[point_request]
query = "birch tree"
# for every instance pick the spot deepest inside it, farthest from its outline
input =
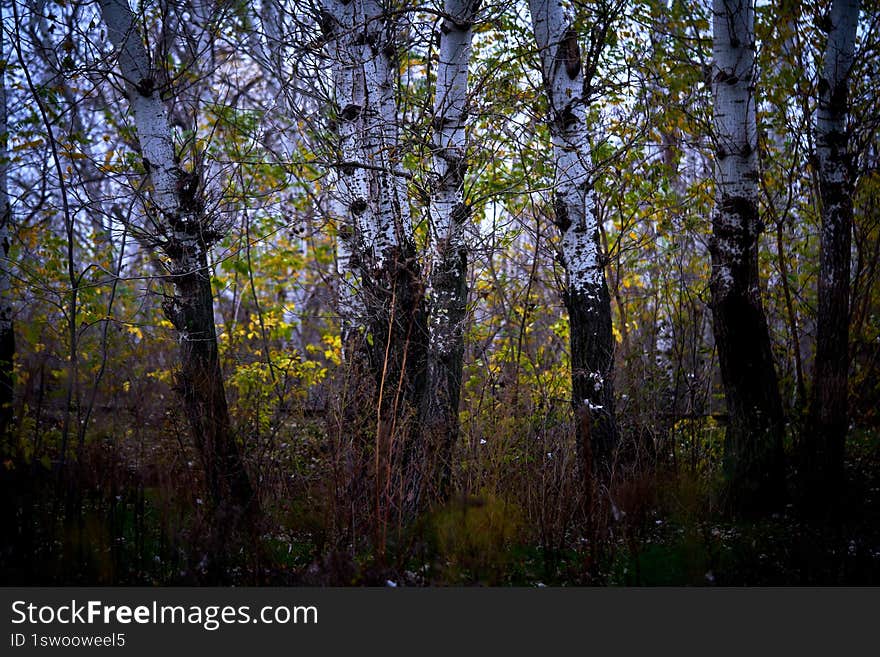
(586, 295)
(349, 200)
(825, 438)
(449, 215)
(181, 229)
(753, 450)
(393, 288)
(7, 333)
(376, 246)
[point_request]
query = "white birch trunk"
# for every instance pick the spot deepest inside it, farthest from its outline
(586, 293)
(561, 67)
(349, 204)
(736, 134)
(448, 211)
(449, 215)
(184, 233)
(392, 227)
(831, 116)
(151, 119)
(754, 434)
(177, 228)
(383, 252)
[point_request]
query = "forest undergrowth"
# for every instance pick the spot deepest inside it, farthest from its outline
(664, 523)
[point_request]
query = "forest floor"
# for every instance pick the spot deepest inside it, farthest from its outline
(684, 547)
(121, 537)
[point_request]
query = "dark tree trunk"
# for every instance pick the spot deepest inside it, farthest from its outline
(592, 362)
(824, 441)
(7, 336)
(445, 365)
(200, 384)
(753, 446)
(7, 332)
(397, 344)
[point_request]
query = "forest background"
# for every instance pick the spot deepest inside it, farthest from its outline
(357, 291)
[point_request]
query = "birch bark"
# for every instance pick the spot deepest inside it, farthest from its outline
(753, 451)
(381, 287)
(183, 232)
(449, 250)
(586, 295)
(393, 287)
(349, 204)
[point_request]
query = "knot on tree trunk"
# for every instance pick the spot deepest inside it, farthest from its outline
(146, 86)
(569, 54)
(173, 310)
(561, 218)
